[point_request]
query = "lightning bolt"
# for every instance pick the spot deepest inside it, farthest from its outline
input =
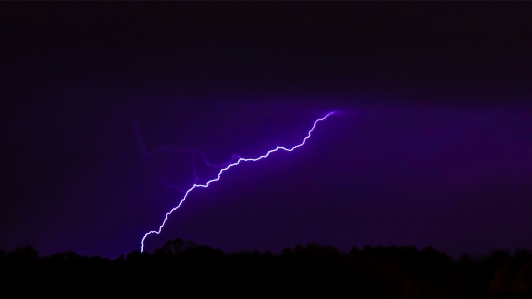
(226, 167)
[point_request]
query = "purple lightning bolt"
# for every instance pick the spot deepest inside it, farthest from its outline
(195, 185)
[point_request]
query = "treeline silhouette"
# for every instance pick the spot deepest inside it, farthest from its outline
(184, 269)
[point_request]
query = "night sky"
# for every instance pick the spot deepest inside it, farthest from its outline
(431, 144)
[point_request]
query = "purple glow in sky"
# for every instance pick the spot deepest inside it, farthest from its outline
(433, 147)
(195, 185)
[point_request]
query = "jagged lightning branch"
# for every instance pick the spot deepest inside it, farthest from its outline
(240, 159)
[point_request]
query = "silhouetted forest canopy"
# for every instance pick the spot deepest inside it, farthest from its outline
(184, 269)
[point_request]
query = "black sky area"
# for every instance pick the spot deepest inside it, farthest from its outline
(431, 145)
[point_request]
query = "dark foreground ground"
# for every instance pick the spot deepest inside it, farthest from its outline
(184, 269)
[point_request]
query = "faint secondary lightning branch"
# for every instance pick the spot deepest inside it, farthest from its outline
(227, 167)
(193, 151)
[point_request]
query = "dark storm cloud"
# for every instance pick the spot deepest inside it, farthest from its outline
(432, 145)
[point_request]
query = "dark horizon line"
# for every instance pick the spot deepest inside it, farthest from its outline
(189, 245)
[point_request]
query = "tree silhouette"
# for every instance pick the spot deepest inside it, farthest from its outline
(302, 271)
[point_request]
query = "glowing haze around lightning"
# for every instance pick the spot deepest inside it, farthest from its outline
(240, 159)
